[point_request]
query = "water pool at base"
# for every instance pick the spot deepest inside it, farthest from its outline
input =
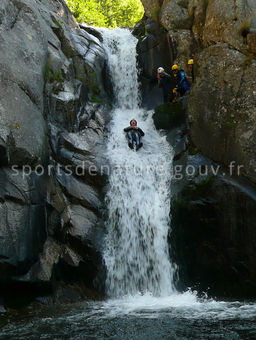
(180, 316)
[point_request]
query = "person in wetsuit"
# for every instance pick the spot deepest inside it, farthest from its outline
(134, 134)
(182, 84)
(164, 82)
(191, 68)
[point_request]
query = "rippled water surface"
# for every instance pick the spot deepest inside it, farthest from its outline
(181, 316)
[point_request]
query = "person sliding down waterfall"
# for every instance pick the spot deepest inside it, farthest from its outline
(134, 134)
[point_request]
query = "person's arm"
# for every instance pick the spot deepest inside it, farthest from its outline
(141, 132)
(182, 78)
(128, 128)
(159, 81)
(167, 75)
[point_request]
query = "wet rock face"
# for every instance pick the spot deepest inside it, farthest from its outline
(229, 22)
(151, 6)
(53, 112)
(214, 237)
(197, 10)
(222, 106)
(22, 83)
(23, 225)
(225, 83)
(154, 50)
(175, 15)
(182, 42)
(251, 40)
(221, 39)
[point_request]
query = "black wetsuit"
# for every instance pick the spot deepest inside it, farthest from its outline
(134, 137)
(166, 83)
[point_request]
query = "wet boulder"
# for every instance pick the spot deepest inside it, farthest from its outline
(169, 116)
(175, 15)
(54, 109)
(182, 42)
(214, 237)
(222, 106)
(152, 7)
(229, 22)
(23, 221)
(197, 10)
(251, 41)
(154, 50)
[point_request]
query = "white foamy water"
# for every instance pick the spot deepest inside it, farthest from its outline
(140, 273)
(138, 199)
(177, 305)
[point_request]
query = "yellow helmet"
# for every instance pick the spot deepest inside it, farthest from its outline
(191, 62)
(175, 67)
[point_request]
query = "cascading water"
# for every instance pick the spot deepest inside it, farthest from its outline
(136, 252)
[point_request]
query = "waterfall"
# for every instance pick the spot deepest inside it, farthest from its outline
(138, 199)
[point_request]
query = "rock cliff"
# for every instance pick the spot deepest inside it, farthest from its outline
(220, 36)
(213, 237)
(53, 110)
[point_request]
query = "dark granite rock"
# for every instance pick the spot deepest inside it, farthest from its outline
(54, 81)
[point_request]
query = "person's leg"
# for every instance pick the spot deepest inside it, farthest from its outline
(181, 91)
(139, 146)
(171, 96)
(166, 97)
(138, 141)
(130, 138)
(137, 138)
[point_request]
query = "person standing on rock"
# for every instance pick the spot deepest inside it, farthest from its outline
(191, 68)
(164, 82)
(182, 84)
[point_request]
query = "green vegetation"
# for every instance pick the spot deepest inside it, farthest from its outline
(107, 13)
(95, 100)
(244, 28)
(230, 122)
(155, 12)
(235, 17)
(183, 3)
(192, 150)
(50, 75)
(168, 116)
(248, 59)
(230, 125)
(206, 3)
(95, 90)
(57, 23)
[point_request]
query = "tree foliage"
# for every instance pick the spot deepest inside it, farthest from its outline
(107, 13)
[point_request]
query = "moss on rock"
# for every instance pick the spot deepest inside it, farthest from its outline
(168, 116)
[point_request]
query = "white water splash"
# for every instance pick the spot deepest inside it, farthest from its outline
(136, 252)
(140, 278)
